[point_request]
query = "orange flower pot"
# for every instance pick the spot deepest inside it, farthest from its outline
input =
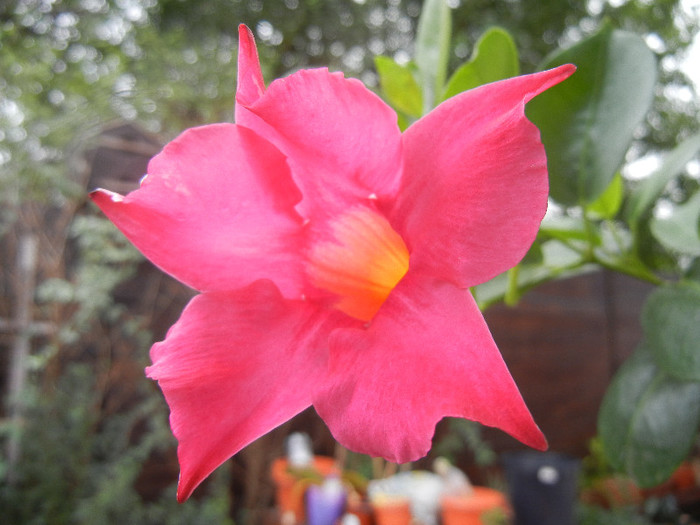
(469, 509)
(391, 510)
(289, 495)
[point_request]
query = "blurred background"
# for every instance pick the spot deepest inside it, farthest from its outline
(91, 89)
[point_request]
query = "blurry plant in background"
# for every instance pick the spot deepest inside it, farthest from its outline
(72, 66)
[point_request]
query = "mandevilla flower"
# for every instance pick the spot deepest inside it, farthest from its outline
(334, 255)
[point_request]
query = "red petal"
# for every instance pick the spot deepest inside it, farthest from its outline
(250, 80)
(475, 185)
(427, 354)
(235, 366)
(342, 141)
(216, 211)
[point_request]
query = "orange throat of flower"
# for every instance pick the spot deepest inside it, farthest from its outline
(360, 263)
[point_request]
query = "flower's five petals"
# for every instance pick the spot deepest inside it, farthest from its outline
(333, 253)
(250, 80)
(342, 140)
(233, 367)
(475, 185)
(427, 354)
(216, 211)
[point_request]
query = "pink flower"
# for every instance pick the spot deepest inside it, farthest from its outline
(334, 255)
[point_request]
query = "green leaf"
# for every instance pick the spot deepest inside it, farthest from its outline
(495, 57)
(648, 421)
(399, 86)
(588, 121)
(433, 49)
(621, 399)
(678, 231)
(645, 196)
(608, 204)
(671, 324)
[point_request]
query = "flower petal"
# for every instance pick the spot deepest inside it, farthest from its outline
(342, 140)
(475, 185)
(427, 354)
(235, 366)
(250, 80)
(216, 211)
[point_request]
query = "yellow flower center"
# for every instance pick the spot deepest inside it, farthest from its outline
(361, 262)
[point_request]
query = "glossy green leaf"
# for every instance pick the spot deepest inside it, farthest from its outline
(671, 324)
(646, 194)
(588, 121)
(648, 421)
(617, 411)
(678, 231)
(608, 204)
(433, 49)
(495, 57)
(399, 86)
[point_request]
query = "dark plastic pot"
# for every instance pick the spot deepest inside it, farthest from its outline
(543, 487)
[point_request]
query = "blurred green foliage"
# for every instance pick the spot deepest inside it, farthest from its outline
(79, 468)
(594, 515)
